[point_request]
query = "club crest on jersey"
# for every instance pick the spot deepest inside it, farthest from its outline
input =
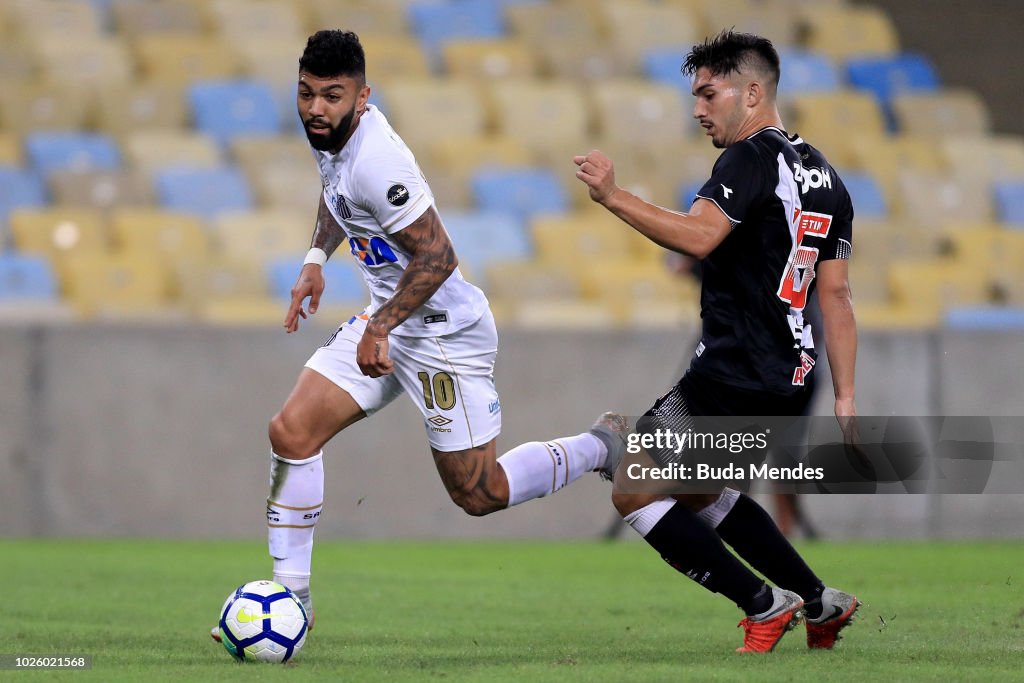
(342, 208)
(398, 195)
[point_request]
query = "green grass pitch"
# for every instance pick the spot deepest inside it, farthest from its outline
(487, 611)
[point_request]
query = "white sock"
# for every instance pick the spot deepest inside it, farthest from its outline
(296, 499)
(537, 469)
(644, 519)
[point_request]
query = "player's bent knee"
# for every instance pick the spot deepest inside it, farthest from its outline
(288, 442)
(476, 501)
(626, 503)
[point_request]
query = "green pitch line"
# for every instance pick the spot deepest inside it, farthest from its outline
(401, 611)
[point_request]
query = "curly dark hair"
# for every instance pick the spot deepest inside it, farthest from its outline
(334, 53)
(731, 52)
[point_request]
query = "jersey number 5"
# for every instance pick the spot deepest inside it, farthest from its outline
(796, 280)
(439, 390)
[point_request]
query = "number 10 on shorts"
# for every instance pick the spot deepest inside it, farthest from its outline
(440, 390)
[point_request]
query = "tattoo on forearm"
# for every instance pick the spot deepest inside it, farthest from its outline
(328, 234)
(432, 260)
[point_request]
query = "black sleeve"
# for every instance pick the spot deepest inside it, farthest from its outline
(737, 182)
(839, 243)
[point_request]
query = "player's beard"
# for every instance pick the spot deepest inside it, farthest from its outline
(336, 134)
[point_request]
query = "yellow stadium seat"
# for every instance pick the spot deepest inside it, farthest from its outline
(880, 242)
(489, 59)
(250, 311)
(449, 164)
(107, 285)
(239, 21)
(262, 235)
(100, 189)
(380, 17)
(994, 158)
(391, 56)
(621, 283)
(61, 18)
(587, 62)
(149, 151)
(585, 235)
(124, 108)
(154, 231)
(542, 115)
(271, 58)
(89, 63)
(885, 158)
(544, 23)
(564, 314)
(936, 285)
(656, 116)
(515, 281)
(938, 199)
(846, 31)
(58, 232)
(180, 59)
(868, 283)
(425, 110)
(826, 120)
(990, 250)
(224, 278)
(133, 18)
(254, 153)
(636, 27)
(772, 20)
(10, 149)
(44, 106)
(945, 112)
(287, 187)
(18, 63)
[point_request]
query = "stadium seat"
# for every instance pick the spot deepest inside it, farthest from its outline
(528, 282)
(48, 152)
(583, 63)
(58, 232)
(933, 286)
(991, 250)
(550, 118)
(621, 284)
(462, 156)
(423, 111)
(806, 71)
(885, 158)
(845, 31)
(18, 64)
(996, 318)
(489, 59)
(149, 151)
(126, 108)
(152, 231)
(994, 158)
(635, 28)
(485, 237)
(203, 191)
(239, 21)
(25, 278)
(393, 56)
(224, 110)
(344, 283)
(226, 277)
(85, 63)
(664, 66)
(772, 20)
(826, 121)
(34, 106)
(1009, 197)
(256, 153)
(133, 18)
(582, 236)
(56, 18)
(264, 234)
(887, 75)
(19, 188)
(273, 60)
(523, 192)
(113, 285)
(688, 193)
(365, 17)
(434, 23)
(545, 23)
(939, 113)
(867, 196)
(288, 187)
(940, 199)
(657, 114)
(181, 59)
(100, 189)
(10, 149)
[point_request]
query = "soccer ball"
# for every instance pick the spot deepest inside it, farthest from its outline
(263, 620)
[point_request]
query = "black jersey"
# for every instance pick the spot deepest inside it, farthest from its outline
(789, 211)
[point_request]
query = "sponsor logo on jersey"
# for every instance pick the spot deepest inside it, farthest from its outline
(801, 371)
(398, 195)
(494, 406)
(811, 178)
(726, 191)
(373, 252)
(436, 318)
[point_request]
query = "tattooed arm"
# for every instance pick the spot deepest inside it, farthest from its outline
(326, 236)
(431, 260)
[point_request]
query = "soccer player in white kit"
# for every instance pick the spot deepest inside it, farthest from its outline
(427, 332)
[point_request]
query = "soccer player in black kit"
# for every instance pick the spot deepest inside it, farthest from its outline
(772, 222)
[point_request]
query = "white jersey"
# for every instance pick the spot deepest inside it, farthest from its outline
(374, 188)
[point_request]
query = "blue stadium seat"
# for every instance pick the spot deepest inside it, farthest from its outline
(663, 65)
(25, 277)
(50, 151)
(522, 192)
(434, 22)
(806, 71)
(203, 191)
(482, 237)
(344, 282)
(19, 188)
(229, 108)
(687, 193)
(985, 318)
(868, 198)
(887, 76)
(1009, 197)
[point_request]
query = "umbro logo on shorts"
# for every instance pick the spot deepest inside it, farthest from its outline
(438, 420)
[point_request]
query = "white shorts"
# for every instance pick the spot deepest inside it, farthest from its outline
(450, 379)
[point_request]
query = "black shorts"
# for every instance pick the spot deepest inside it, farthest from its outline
(698, 404)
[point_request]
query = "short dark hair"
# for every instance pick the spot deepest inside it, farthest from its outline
(334, 53)
(729, 52)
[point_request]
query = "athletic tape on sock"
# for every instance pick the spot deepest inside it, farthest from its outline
(644, 519)
(714, 514)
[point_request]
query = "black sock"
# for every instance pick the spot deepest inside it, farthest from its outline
(692, 548)
(752, 533)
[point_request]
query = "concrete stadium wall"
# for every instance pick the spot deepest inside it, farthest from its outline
(145, 430)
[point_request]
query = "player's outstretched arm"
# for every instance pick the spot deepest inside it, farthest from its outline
(695, 234)
(326, 237)
(840, 334)
(431, 260)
